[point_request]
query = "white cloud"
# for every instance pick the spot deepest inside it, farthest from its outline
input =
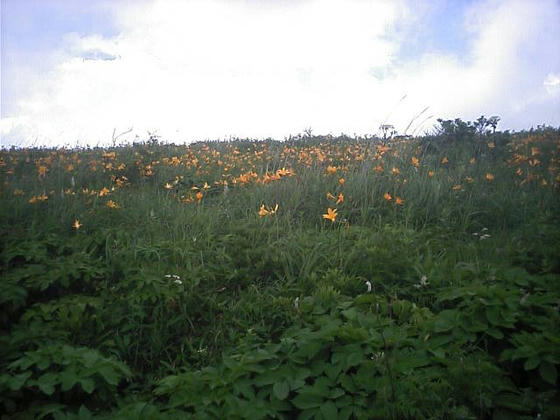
(210, 69)
(552, 83)
(511, 52)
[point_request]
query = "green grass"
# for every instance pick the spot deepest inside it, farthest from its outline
(173, 306)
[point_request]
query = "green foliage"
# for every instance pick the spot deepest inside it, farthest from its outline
(61, 373)
(165, 304)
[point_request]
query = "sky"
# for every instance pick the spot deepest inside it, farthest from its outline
(98, 72)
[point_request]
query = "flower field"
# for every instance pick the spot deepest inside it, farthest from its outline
(317, 277)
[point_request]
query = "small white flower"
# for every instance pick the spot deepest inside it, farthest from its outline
(422, 283)
(175, 277)
(368, 285)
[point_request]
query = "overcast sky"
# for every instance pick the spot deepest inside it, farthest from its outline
(72, 72)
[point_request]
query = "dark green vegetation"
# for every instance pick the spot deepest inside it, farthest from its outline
(142, 282)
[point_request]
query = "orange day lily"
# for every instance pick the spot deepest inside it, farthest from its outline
(112, 205)
(340, 198)
(387, 196)
(77, 225)
(264, 211)
(42, 171)
(330, 215)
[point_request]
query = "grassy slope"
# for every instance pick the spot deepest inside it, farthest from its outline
(462, 320)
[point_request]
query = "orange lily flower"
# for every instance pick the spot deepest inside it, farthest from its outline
(330, 215)
(112, 205)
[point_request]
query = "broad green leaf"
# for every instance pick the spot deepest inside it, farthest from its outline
(350, 314)
(548, 372)
(493, 314)
(84, 413)
(496, 333)
(109, 374)
(309, 349)
(345, 413)
(329, 411)
(335, 393)
(305, 400)
(308, 414)
(332, 371)
(531, 363)
(446, 320)
(243, 387)
(354, 359)
(347, 383)
(281, 390)
(68, 379)
(16, 382)
(409, 361)
(47, 382)
(88, 385)
(438, 352)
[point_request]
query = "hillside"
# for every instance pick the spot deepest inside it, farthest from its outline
(317, 277)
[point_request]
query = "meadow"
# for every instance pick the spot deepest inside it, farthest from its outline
(317, 277)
